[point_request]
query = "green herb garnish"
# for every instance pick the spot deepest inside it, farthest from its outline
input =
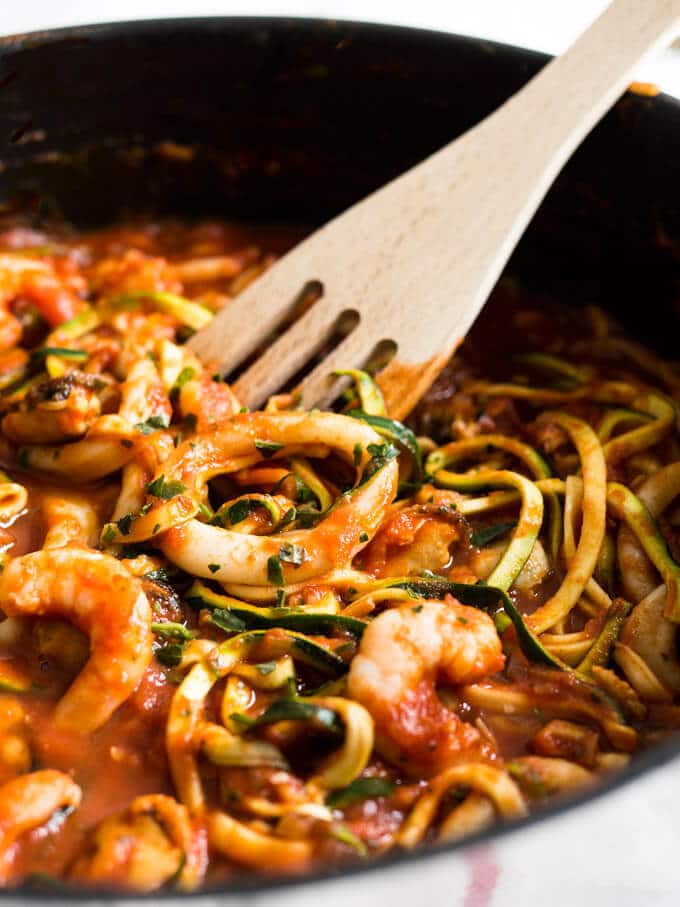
(171, 654)
(481, 537)
(381, 455)
(358, 790)
(227, 621)
(171, 630)
(125, 524)
(164, 488)
(152, 424)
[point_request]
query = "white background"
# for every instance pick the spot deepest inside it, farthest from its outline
(624, 850)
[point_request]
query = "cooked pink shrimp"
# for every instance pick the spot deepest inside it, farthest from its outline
(29, 801)
(100, 597)
(37, 281)
(401, 654)
(152, 842)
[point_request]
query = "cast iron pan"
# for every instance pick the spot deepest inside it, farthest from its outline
(292, 120)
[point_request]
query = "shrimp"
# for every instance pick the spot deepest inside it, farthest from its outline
(28, 802)
(69, 518)
(149, 844)
(35, 280)
(15, 752)
(93, 591)
(394, 674)
(132, 272)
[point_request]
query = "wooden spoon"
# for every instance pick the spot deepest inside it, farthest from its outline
(417, 259)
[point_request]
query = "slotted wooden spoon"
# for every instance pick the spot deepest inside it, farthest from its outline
(417, 259)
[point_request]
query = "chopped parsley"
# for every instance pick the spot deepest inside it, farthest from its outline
(267, 667)
(213, 567)
(125, 524)
(227, 621)
(363, 537)
(381, 455)
(165, 575)
(358, 790)
(171, 654)
(152, 424)
(171, 630)
(481, 537)
(165, 488)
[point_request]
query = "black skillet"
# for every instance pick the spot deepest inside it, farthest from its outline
(292, 120)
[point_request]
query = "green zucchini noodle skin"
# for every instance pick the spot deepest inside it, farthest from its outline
(452, 453)
(631, 510)
(654, 496)
(528, 526)
(284, 641)
(664, 414)
(592, 531)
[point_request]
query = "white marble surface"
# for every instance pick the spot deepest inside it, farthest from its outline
(620, 851)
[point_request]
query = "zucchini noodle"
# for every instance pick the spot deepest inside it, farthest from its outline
(530, 519)
(629, 508)
(492, 782)
(664, 416)
(583, 562)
